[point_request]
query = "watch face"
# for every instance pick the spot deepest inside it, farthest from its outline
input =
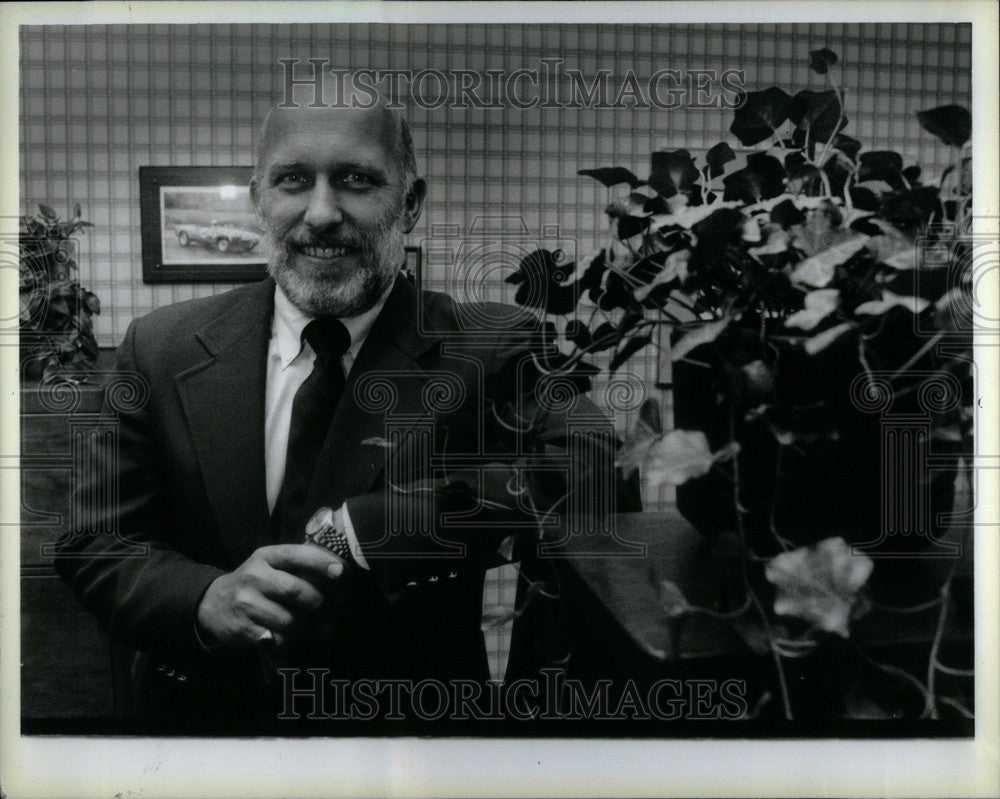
(322, 521)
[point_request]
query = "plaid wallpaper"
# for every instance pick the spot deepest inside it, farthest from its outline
(98, 102)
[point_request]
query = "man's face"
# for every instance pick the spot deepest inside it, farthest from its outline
(331, 195)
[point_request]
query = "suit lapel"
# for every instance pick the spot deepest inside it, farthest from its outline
(223, 399)
(346, 465)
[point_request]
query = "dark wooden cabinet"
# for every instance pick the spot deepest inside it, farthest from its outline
(69, 667)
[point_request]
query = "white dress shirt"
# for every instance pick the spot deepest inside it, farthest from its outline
(289, 363)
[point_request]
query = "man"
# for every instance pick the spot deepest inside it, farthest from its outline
(317, 400)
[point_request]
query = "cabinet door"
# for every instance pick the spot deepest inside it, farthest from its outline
(66, 669)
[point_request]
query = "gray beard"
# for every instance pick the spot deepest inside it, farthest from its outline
(341, 295)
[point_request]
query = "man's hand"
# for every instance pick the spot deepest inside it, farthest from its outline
(274, 590)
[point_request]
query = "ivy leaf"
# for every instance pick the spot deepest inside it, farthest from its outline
(818, 270)
(672, 172)
(816, 113)
(848, 146)
(612, 176)
(47, 211)
(910, 210)
(787, 214)
(819, 583)
(761, 179)
(717, 158)
(703, 334)
(682, 455)
(880, 165)
(820, 342)
(76, 211)
(649, 415)
(864, 199)
(629, 226)
(671, 266)
(805, 179)
(92, 302)
(578, 333)
(912, 174)
(594, 271)
(889, 300)
(820, 61)
(952, 124)
(819, 304)
(540, 278)
(759, 115)
(633, 345)
(672, 599)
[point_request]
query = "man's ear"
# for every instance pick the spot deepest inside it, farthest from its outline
(414, 204)
(255, 194)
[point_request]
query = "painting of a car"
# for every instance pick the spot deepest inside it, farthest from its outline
(217, 236)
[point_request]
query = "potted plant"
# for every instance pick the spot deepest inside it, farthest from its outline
(57, 335)
(815, 296)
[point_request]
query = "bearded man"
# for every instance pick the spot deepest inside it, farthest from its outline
(271, 414)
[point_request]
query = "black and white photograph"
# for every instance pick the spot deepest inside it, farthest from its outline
(559, 403)
(220, 220)
(199, 225)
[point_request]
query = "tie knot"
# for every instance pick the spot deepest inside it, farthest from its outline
(327, 335)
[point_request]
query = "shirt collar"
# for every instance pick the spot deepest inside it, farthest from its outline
(289, 322)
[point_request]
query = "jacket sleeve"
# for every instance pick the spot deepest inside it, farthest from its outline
(547, 478)
(121, 563)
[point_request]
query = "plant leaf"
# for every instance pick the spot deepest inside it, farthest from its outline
(952, 124)
(889, 300)
(816, 113)
(703, 334)
(821, 60)
(818, 270)
(819, 304)
(649, 415)
(677, 457)
(880, 165)
(761, 179)
(672, 599)
(819, 583)
(672, 172)
(717, 158)
(612, 176)
(823, 340)
(759, 115)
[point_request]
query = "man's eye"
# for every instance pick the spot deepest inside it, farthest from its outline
(291, 180)
(358, 180)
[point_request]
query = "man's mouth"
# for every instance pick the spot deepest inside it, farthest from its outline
(323, 253)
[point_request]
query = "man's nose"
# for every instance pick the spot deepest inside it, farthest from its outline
(324, 206)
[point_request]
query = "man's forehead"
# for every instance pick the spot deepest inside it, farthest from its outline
(373, 125)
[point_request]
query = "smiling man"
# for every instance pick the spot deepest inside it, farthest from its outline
(292, 543)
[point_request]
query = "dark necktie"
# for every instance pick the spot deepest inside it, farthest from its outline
(312, 412)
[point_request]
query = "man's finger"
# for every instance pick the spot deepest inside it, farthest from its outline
(303, 559)
(259, 636)
(286, 588)
(270, 614)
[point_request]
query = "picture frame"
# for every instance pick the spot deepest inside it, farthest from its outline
(198, 226)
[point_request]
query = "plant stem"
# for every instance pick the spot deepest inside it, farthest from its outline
(741, 532)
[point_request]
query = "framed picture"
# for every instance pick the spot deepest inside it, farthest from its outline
(198, 225)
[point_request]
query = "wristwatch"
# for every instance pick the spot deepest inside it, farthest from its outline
(323, 529)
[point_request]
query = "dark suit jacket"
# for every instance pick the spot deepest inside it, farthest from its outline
(415, 447)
